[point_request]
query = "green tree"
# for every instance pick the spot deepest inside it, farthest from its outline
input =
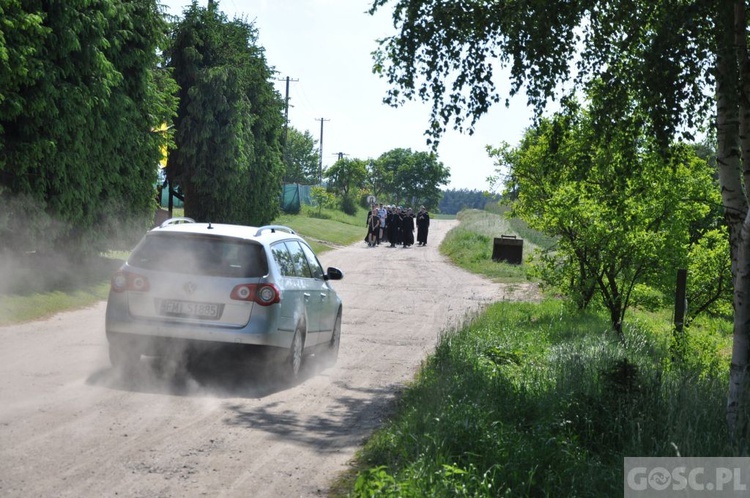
(420, 178)
(661, 55)
(382, 174)
(454, 200)
(80, 95)
(346, 175)
(620, 215)
(322, 198)
(302, 158)
(709, 276)
(408, 177)
(228, 156)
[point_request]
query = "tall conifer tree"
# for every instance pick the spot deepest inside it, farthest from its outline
(228, 156)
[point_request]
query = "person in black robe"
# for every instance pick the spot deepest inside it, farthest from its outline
(373, 228)
(423, 226)
(407, 228)
(391, 224)
(400, 215)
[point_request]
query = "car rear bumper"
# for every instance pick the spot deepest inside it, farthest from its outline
(150, 332)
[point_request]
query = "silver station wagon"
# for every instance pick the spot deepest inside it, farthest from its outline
(190, 286)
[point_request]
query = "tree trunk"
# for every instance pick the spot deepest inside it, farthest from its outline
(731, 173)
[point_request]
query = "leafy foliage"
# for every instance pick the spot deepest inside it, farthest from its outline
(709, 276)
(81, 95)
(668, 61)
(449, 54)
(322, 198)
(620, 214)
(346, 176)
(301, 157)
(402, 176)
(228, 159)
(454, 200)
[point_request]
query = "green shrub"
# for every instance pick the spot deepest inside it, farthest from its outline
(348, 205)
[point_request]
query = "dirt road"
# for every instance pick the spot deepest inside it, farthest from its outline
(71, 426)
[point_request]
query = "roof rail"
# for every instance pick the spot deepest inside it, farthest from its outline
(176, 221)
(273, 228)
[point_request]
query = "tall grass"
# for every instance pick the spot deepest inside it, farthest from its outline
(520, 227)
(470, 245)
(530, 401)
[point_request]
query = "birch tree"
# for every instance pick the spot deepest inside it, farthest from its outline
(673, 59)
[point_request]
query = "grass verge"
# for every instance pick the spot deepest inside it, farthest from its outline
(38, 286)
(326, 229)
(18, 309)
(531, 401)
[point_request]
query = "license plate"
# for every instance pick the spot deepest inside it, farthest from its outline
(189, 309)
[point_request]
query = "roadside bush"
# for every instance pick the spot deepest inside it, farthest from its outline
(648, 298)
(25, 226)
(348, 205)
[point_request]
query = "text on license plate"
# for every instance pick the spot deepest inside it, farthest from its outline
(189, 309)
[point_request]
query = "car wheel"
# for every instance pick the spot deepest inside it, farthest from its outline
(124, 356)
(293, 362)
(331, 355)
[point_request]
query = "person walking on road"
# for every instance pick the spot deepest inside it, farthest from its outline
(382, 213)
(394, 226)
(407, 228)
(423, 226)
(373, 228)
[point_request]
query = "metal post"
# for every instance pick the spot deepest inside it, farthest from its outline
(320, 167)
(680, 301)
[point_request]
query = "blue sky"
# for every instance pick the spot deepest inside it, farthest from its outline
(325, 47)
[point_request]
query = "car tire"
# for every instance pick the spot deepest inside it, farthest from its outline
(331, 354)
(292, 364)
(123, 356)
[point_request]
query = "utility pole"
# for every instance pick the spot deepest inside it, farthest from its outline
(286, 120)
(320, 169)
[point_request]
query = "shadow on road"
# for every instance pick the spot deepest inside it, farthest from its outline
(344, 421)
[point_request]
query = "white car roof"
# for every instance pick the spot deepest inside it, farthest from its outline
(268, 233)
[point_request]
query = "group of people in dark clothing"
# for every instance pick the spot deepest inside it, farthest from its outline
(395, 225)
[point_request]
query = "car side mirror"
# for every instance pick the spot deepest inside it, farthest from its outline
(333, 274)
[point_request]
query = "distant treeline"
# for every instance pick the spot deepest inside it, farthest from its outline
(454, 201)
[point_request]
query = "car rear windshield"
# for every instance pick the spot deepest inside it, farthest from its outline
(200, 255)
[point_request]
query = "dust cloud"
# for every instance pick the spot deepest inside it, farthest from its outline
(31, 261)
(211, 372)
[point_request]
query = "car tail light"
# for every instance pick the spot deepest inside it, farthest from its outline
(263, 294)
(126, 281)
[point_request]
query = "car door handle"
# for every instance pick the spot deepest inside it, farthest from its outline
(307, 295)
(323, 296)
